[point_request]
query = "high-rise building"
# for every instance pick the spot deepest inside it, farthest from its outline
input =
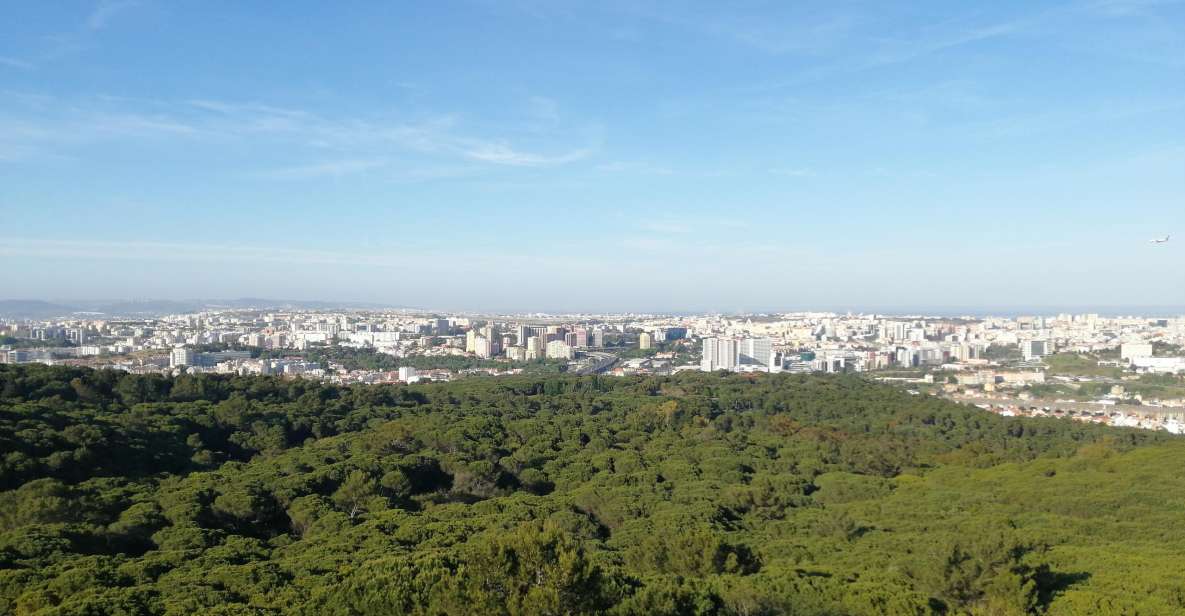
(182, 356)
(598, 338)
(726, 353)
(558, 349)
(534, 347)
(77, 335)
(645, 341)
(722, 354)
(523, 332)
(483, 347)
(708, 360)
(893, 331)
(755, 351)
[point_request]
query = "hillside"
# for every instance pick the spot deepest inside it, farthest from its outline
(694, 494)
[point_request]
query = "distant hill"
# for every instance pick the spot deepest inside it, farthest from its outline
(146, 307)
(32, 309)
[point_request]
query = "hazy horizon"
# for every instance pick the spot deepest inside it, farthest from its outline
(610, 156)
(1152, 311)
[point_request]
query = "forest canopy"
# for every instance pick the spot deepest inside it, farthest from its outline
(690, 494)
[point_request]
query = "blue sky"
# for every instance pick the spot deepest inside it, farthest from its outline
(600, 156)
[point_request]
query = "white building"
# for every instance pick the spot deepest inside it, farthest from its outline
(483, 347)
(1129, 351)
(893, 331)
(558, 349)
(726, 353)
(181, 356)
(1167, 365)
(534, 347)
(755, 351)
(708, 360)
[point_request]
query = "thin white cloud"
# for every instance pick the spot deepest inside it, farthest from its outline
(129, 124)
(234, 108)
(910, 47)
(905, 51)
(56, 124)
(435, 135)
(502, 154)
(106, 10)
(15, 63)
(53, 136)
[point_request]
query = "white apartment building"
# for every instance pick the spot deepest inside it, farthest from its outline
(181, 356)
(558, 349)
(732, 353)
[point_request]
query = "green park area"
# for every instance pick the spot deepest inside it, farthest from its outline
(691, 494)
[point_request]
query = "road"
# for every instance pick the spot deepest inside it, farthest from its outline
(601, 362)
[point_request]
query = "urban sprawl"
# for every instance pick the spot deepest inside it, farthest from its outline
(1126, 371)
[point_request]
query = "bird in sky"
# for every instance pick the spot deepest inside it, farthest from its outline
(1160, 240)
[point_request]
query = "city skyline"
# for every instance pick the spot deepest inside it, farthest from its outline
(619, 157)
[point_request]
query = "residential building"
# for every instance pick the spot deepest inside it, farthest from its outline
(558, 349)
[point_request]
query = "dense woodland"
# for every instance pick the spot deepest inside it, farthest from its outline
(692, 494)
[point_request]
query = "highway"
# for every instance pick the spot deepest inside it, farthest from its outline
(601, 362)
